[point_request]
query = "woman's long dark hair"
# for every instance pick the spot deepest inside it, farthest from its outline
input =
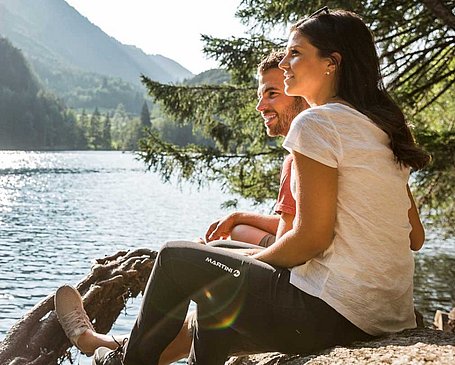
(359, 80)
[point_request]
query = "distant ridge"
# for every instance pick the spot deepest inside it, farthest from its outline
(53, 34)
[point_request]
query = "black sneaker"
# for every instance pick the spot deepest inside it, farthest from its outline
(106, 356)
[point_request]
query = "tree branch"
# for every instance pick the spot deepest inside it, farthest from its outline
(440, 11)
(38, 339)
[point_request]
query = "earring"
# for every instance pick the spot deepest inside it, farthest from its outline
(327, 72)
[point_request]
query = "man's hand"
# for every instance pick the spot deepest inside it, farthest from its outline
(220, 229)
(200, 240)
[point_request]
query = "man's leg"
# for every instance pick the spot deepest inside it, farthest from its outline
(253, 235)
(180, 347)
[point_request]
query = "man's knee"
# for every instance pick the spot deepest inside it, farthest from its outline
(239, 231)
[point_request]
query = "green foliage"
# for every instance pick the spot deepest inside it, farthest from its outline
(145, 116)
(241, 156)
(416, 41)
(435, 184)
(31, 118)
(106, 133)
(251, 175)
(175, 133)
(240, 55)
(125, 129)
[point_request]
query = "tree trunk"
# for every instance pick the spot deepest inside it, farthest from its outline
(38, 339)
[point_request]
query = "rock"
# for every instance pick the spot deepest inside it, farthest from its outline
(410, 347)
(441, 320)
(445, 321)
(451, 321)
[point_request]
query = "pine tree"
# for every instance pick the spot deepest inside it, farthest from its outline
(83, 125)
(95, 130)
(106, 136)
(416, 40)
(145, 116)
(145, 123)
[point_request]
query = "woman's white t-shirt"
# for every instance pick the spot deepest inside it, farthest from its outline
(367, 272)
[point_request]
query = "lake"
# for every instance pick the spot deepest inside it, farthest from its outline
(61, 210)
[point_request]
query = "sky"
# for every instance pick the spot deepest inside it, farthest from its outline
(171, 28)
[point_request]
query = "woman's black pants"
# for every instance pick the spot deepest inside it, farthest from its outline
(239, 299)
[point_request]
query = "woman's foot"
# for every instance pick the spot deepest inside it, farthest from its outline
(73, 318)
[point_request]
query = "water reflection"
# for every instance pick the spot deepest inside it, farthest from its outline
(435, 284)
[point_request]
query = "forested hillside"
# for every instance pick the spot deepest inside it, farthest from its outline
(29, 117)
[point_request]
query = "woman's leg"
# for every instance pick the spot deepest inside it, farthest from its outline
(237, 296)
(274, 315)
(179, 348)
(185, 271)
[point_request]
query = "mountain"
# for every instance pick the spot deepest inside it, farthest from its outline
(214, 76)
(63, 47)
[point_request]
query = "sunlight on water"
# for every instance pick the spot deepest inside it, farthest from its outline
(61, 210)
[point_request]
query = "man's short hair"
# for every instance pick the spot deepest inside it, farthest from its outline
(271, 61)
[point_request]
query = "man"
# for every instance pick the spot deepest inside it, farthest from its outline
(278, 110)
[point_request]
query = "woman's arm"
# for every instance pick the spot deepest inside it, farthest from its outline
(312, 233)
(417, 235)
(285, 224)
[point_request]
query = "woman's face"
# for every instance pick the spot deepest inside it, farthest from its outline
(305, 71)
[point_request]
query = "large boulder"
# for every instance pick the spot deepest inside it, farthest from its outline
(410, 347)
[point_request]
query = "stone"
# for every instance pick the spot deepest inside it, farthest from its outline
(420, 346)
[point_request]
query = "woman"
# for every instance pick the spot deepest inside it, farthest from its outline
(345, 270)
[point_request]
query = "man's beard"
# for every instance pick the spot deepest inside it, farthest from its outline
(281, 127)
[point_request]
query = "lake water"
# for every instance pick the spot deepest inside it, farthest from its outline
(61, 210)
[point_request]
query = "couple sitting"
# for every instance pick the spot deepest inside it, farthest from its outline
(340, 270)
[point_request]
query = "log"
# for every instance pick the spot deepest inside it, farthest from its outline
(38, 339)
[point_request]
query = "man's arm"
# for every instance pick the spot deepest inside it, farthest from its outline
(284, 224)
(222, 228)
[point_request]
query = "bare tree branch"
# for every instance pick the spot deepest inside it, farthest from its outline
(38, 339)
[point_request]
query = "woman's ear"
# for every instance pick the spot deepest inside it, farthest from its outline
(334, 61)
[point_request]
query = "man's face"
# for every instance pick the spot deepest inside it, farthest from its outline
(276, 108)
